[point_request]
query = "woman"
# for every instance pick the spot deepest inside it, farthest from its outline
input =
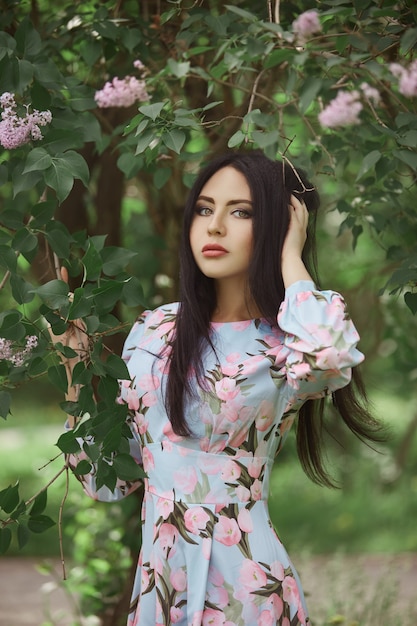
(216, 383)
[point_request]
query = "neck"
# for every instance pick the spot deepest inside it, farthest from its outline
(234, 303)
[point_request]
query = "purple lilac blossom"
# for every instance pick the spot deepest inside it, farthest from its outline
(306, 24)
(15, 130)
(342, 111)
(407, 78)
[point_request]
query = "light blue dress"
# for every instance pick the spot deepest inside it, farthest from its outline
(210, 555)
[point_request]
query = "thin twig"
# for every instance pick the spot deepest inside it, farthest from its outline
(60, 516)
(277, 18)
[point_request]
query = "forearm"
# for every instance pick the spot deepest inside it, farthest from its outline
(293, 269)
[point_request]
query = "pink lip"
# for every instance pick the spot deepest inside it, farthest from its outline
(213, 250)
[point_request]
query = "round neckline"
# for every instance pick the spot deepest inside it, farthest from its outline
(251, 320)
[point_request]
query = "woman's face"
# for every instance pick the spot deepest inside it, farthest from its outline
(221, 234)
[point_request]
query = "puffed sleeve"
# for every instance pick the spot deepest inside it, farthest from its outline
(321, 341)
(123, 487)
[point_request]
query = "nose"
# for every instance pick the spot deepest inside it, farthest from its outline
(216, 225)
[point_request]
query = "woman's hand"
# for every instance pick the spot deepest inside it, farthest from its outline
(297, 229)
(75, 337)
(292, 266)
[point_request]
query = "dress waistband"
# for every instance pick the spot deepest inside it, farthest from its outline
(184, 474)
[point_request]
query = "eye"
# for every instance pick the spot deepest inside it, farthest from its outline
(244, 214)
(203, 210)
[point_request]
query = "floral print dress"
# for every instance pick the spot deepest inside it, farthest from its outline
(210, 555)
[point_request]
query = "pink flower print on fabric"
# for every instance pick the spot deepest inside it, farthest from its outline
(244, 520)
(148, 460)
(185, 479)
(141, 423)
(218, 596)
(297, 371)
(226, 389)
(165, 504)
(266, 619)
(241, 326)
(290, 592)
(227, 531)
(250, 366)
(196, 519)
(232, 366)
(149, 383)
(231, 471)
(252, 576)
(176, 614)
(302, 296)
(276, 606)
(331, 358)
(255, 467)
(265, 416)
(178, 579)
(214, 617)
(168, 536)
(256, 490)
(242, 493)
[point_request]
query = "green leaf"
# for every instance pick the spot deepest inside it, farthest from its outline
(25, 241)
(126, 468)
(80, 306)
(92, 262)
(407, 156)
(368, 163)
(40, 523)
(236, 139)
(5, 402)
(106, 296)
(152, 110)
(90, 51)
(59, 178)
(411, 301)
(132, 294)
(82, 467)
(59, 238)
(145, 140)
(174, 140)
(54, 293)
(5, 539)
(8, 258)
(115, 259)
(310, 89)
(179, 69)
(37, 160)
(408, 40)
(68, 443)
(22, 535)
(77, 165)
(81, 375)
(22, 291)
(28, 40)
(116, 367)
(57, 375)
(161, 176)
(39, 503)
(11, 326)
(9, 498)
(42, 213)
(246, 15)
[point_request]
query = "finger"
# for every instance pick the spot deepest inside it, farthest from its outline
(64, 274)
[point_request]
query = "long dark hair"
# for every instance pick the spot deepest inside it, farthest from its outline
(271, 184)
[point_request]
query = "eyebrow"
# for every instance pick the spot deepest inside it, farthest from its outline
(230, 203)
